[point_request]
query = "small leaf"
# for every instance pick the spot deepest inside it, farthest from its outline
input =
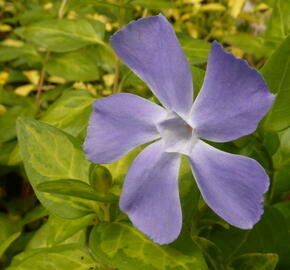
(79, 65)
(75, 188)
(62, 35)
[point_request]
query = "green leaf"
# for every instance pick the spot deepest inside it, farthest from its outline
(256, 261)
(72, 257)
(281, 181)
(154, 4)
(49, 154)
(7, 242)
(124, 247)
(189, 192)
(62, 35)
(105, 57)
(278, 117)
(257, 45)
(271, 141)
(270, 235)
(198, 77)
(119, 168)
(36, 213)
(279, 23)
(70, 112)
(10, 230)
(10, 99)
(5, 151)
(277, 69)
(58, 231)
(281, 156)
(79, 65)
(218, 236)
(34, 15)
(277, 74)
(212, 253)
(75, 188)
(11, 53)
(196, 50)
(8, 120)
(284, 208)
(100, 178)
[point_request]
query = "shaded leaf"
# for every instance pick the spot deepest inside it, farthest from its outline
(212, 253)
(256, 261)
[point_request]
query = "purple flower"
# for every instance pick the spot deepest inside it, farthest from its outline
(233, 99)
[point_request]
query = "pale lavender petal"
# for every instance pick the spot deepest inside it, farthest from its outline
(233, 99)
(150, 48)
(150, 194)
(232, 185)
(118, 124)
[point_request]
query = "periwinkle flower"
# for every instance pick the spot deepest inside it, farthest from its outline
(233, 99)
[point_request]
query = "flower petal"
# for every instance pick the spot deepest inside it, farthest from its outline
(118, 124)
(232, 185)
(150, 194)
(233, 99)
(150, 48)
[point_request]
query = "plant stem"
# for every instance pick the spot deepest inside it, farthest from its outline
(118, 62)
(117, 76)
(46, 57)
(106, 208)
(41, 82)
(61, 9)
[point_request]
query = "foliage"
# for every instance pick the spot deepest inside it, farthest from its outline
(59, 211)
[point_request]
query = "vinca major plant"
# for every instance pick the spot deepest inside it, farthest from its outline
(144, 135)
(233, 99)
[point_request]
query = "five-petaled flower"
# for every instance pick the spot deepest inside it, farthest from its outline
(232, 100)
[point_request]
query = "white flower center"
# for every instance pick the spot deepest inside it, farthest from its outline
(176, 134)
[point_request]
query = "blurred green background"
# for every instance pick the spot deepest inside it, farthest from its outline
(55, 60)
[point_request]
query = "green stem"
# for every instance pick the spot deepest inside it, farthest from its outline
(61, 9)
(116, 88)
(106, 209)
